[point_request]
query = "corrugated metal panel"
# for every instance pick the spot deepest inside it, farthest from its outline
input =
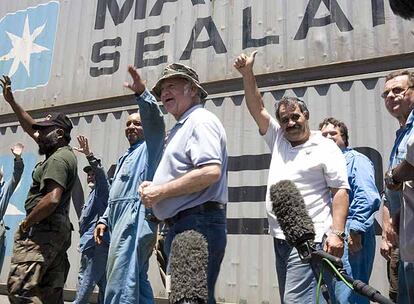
(205, 34)
(248, 273)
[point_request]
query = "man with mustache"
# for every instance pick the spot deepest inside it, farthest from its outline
(318, 169)
(40, 265)
(132, 226)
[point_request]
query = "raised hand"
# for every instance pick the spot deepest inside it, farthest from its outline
(244, 64)
(5, 84)
(83, 145)
(138, 84)
(17, 150)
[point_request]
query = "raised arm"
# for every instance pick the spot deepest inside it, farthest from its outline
(244, 64)
(151, 118)
(26, 121)
(101, 179)
(11, 185)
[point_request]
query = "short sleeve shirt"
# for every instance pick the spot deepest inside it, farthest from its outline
(407, 212)
(60, 167)
(198, 138)
(314, 167)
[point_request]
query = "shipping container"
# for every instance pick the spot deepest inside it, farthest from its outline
(72, 56)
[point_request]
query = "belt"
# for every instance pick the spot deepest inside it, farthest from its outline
(207, 206)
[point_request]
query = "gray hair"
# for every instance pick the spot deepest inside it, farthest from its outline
(289, 101)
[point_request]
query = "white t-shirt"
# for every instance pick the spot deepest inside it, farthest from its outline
(314, 167)
(407, 212)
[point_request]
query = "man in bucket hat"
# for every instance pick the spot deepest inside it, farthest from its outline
(40, 265)
(189, 189)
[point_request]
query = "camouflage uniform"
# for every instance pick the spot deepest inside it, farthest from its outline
(40, 265)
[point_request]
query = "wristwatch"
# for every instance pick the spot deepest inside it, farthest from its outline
(340, 234)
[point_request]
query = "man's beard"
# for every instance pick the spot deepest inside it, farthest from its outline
(48, 144)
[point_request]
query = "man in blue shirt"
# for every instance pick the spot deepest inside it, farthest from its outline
(93, 256)
(133, 231)
(398, 97)
(6, 191)
(189, 190)
(364, 201)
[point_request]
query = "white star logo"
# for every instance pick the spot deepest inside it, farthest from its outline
(23, 48)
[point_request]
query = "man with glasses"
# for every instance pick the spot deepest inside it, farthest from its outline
(399, 101)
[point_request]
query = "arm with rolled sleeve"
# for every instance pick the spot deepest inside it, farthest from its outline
(405, 171)
(366, 200)
(10, 186)
(154, 130)
(101, 181)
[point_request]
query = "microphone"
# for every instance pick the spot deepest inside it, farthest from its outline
(188, 267)
(290, 210)
(403, 8)
(289, 207)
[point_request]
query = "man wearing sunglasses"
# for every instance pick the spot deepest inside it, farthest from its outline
(398, 97)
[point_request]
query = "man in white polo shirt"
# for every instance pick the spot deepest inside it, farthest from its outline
(189, 189)
(318, 169)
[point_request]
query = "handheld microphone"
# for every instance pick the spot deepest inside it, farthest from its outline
(290, 210)
(297, 226)
(403, 8)
(289, 207)
(188, 267)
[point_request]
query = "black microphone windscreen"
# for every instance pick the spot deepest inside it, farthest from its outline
(290, 210)
(188, 267)
(403, 8)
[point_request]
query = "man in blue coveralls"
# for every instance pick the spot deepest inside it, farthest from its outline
(6, 191)
(364, 201)
(93, 256)
(132, 226)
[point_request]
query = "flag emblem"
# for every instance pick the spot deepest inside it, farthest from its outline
(27, 39)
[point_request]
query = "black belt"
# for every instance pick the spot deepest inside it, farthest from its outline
(207, 206)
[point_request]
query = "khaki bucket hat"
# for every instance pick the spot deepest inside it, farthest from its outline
(178, 70)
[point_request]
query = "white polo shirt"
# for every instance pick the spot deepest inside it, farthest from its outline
(407, 212)
(314, 167)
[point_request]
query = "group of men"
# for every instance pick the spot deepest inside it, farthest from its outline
(181, 179)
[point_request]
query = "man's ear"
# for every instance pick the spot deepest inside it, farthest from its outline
(195, 91)
(306, 114)
(60, 133)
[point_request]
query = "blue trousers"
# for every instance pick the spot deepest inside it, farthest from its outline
(92, 273)
(132, 241)
(357, 265)
(211, 224)
(297, 282)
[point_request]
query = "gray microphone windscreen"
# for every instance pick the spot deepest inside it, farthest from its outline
(188, 267)
(290, 210)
